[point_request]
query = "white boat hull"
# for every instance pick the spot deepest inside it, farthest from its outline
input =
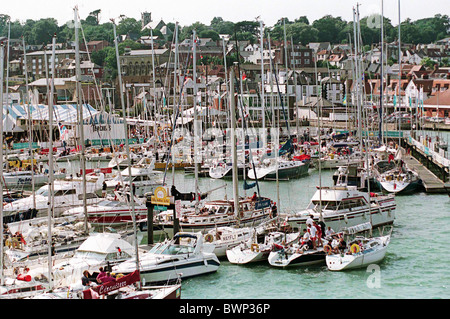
(246, 256)
(340, 262)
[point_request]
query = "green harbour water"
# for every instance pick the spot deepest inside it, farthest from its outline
(415, 266)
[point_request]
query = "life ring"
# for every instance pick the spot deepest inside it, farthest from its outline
(355, 249)
(327, 249)
(254, 247)
(209, 238)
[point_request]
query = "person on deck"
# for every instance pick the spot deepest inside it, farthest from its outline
(101, 275)
(85, 279)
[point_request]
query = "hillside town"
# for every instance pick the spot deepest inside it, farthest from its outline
(419, 80)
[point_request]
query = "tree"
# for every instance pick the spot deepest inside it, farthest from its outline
(95, 14)
(329, 28)
(209, 34)
(186, 32)
(221, 26)
(427, 62)
(43, 31)
(129, 25)
(302, 19)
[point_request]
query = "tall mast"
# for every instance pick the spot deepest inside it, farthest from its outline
(319, 98)
(2, 280)
(399, 69)
(175, 105)
(357, 76)
(80, 117)
(50, 164)
(233, 143)
(286, 66)
(225, 64)
(273, 122)
(196, 120)
(380, 133)
(7, 82)
(30, 123)
(127, 146)
(154, 92)
(263, 102)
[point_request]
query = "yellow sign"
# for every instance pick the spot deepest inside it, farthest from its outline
(161, 197)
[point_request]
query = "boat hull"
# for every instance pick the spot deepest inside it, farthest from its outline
(307, 258)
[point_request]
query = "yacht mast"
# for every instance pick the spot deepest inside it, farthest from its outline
(127, 146)
(154, 93)
(197, 132)
(80, 117)
(30, 123)
(380, 133)
(51, 185)
(2, 280)
(233, 143)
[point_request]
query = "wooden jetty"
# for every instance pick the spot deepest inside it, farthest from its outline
(434, 175)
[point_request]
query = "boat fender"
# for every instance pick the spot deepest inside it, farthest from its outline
(355, 249)
(24, 277)
(209, 238)
(254, 247)
(327, 249)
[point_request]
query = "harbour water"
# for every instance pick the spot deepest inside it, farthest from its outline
(416, 265)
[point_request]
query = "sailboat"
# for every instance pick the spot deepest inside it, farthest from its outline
(361, 252)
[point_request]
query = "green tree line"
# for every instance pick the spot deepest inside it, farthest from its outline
(326, 29)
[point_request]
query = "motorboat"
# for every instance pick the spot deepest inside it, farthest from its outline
(256, 249)
(112, 211)
(224, 170)
(400, 182)
(295, 254)
(216, 213)
(20, 179)
(21, 286)
(361, 252)
(182, 257)
(98, 250)
(28, 239)
(67, 193)
(287, 169)
(224, 238)
(143, 176)
(332, 161)
(123, 287)
(343, 206)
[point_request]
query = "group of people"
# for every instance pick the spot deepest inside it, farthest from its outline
(103, 277)
(313, 233)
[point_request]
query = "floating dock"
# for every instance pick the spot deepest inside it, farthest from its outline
(434, 176)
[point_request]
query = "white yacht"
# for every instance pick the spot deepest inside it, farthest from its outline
(287, 169)
(98, 250)
(143, 176)
(112, 211)
(224, 238)
(216, 213)
(361, 252)
(68, 193)
(255, 249)
(345, 206)
(182, 257)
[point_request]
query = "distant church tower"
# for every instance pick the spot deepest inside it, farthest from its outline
(146, 18)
